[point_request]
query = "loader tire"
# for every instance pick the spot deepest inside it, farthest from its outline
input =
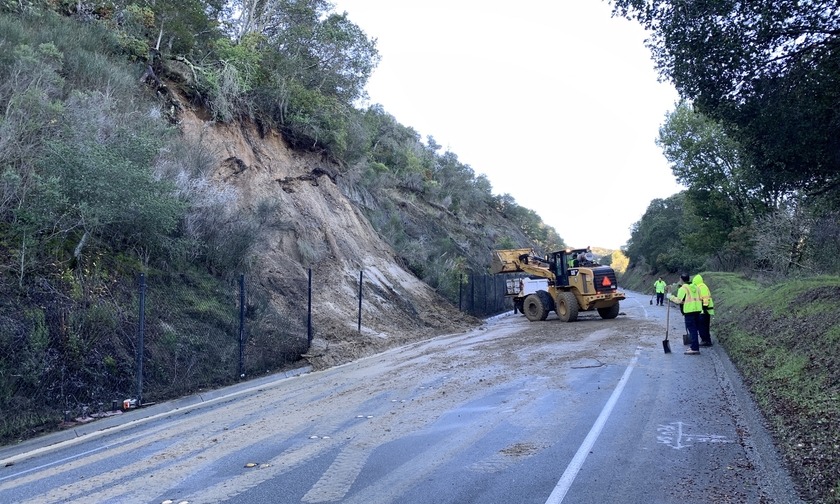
(568, 307)
(534, 307)
(609, 313)
(547, 301)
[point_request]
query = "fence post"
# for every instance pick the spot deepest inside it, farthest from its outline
(460, 293)
(141, 334)
(495, 303)
(361, 272)
(242, 325)
(493, 282)
(309, 312)
(485, 295)
(472, 294)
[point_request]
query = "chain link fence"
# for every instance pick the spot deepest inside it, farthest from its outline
(109, 345)
(483, 295)
(112, 345)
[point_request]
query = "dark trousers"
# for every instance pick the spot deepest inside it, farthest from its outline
(692, 324)
(660, 299)
(703, 329)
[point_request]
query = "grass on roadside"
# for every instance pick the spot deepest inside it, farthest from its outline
(785, 341)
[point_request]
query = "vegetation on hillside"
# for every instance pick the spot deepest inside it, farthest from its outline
(97, 185)
(785, 341)
(294, 66)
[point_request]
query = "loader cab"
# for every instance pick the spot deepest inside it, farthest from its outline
(561, 265)
(566, 263)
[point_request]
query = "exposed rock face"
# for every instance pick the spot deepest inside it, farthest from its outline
(306, 222)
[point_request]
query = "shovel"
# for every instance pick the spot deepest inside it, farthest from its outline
(666, 345)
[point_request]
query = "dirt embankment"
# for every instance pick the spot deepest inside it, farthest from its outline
(311, 224)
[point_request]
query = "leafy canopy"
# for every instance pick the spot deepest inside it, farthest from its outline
(767, 70)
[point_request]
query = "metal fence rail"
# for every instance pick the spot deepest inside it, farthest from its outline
(117, 345)
(483, 295)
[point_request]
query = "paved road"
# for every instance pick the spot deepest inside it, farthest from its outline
(545, 412)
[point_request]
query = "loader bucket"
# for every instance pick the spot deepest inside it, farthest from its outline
(505, 261)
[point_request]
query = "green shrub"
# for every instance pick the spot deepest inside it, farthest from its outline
(313, 121)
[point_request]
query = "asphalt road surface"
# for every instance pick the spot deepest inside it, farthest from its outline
(514, 412)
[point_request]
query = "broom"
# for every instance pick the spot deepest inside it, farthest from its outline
(666, 345)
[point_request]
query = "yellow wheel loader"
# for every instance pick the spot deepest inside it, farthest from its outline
(576, 283)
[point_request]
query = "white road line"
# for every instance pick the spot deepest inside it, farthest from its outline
(636, 300)
(56, 462)
(574, 466)
(644, 308)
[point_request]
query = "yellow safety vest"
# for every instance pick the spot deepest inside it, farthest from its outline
(706, 300)
(659, 286)
(689, 298)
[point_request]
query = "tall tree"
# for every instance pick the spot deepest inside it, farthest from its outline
(703, 156)
(319, 48)
(769, 70)
(186, 26)
(656, 239)
(720, 187)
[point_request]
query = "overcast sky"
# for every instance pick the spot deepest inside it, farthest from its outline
(555, 101)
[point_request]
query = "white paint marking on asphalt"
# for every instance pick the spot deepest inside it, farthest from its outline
(674, 436)
(56, 462)
(574, 466)
(641, 305)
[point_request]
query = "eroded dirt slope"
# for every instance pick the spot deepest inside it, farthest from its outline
(310, 223)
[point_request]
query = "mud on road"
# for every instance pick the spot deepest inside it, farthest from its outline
(467, 386)
(366, 404)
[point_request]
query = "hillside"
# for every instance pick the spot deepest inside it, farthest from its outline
(158, 227)
(271, 212)
(313, 224)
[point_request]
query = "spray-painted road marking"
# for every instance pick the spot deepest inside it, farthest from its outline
(675, 436)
